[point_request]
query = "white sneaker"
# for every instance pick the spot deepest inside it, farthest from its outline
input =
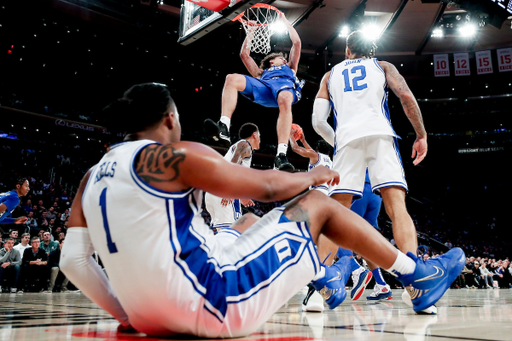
(432, 310)
(380, 293)
(13, 290)
(315, 303)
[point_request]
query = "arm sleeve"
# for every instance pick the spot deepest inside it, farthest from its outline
(80, 268)
(321, 111)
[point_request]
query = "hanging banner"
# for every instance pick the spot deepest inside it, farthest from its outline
(441, 66)
(483, 62)
(505, 58)
(461, 64)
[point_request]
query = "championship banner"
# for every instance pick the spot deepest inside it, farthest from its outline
(461, 64)
(441, 66)
(483, 62)
(505, 59)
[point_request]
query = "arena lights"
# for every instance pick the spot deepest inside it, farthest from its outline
(438, 33)
(370, 31)
(345, 30)
(467, 30)
(279, 27)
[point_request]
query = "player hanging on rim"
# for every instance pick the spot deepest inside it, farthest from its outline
(273, 84)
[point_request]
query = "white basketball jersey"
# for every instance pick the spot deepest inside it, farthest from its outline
(323, 160)
(144, 236)
(225, 216)
(246, 162)
(359, 96)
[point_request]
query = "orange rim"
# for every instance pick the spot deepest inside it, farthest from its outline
(260, 5)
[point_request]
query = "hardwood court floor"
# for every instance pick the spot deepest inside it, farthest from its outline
(462, 315)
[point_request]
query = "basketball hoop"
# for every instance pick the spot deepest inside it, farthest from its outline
(257, 22)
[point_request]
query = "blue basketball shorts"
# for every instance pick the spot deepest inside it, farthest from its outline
(265, 92)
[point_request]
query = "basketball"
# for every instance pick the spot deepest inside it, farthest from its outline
(298, 131)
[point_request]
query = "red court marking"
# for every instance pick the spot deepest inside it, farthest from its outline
(113, 335)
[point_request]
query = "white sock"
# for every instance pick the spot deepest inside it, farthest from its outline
(226, 120)
(282, 148)
(403, 265)
(320, 274)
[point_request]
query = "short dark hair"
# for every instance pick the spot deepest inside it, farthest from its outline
(19, 181)
(265, 62)
(25, 234)
(141, 106)
(34, 238)
(247, 129)
(323, 147)
(360, 45)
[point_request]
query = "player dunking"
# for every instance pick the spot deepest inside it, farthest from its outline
(225, 212)
(273, 84)
(357, 88)
(146, 193)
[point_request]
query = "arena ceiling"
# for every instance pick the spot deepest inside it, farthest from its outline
(405, 26)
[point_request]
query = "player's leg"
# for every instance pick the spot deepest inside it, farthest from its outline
(372, 204)
(220, 131)
(284, 125)
(404, 230)
(360, 276)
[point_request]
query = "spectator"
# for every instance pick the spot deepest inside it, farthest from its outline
(55, 270)
(31, 224)
(1, 241)
(51, 227)
(43, 222)
(62, 235)
(51, 213)
(27, 207)
(40, 207)
(10, 261)
(65, 215)
(14, 235)
(448, 244)
(24, 244)
(486, 281)
(35, 265)
(56, 232)
(48, 245)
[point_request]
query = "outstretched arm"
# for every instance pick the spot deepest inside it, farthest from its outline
(397, 83)
(321, 111)
(180, 166)
(293, 61)
(245, 54)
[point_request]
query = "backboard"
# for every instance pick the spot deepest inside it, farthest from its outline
(197, 21)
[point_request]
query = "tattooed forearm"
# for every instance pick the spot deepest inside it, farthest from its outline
(159, 163)
(399, 86)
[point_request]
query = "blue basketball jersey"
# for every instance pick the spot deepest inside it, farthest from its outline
(282, 72)
(10, 200)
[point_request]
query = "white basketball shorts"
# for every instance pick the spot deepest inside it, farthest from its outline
(222, 216)
(378, 153)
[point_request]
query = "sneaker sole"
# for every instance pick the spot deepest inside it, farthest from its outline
(387, 298)
(360, 289)
(313, 307)
(444, 283)
(211, 128)
(287, 168)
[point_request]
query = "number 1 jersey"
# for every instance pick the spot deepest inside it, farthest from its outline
(359, 97)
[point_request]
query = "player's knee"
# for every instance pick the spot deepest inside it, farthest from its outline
(285, 98)
(233, 79)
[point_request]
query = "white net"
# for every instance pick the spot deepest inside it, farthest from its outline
(258, 23)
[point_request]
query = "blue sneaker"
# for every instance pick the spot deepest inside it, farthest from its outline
(332, 285)
(432, 277)
(361, 278)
